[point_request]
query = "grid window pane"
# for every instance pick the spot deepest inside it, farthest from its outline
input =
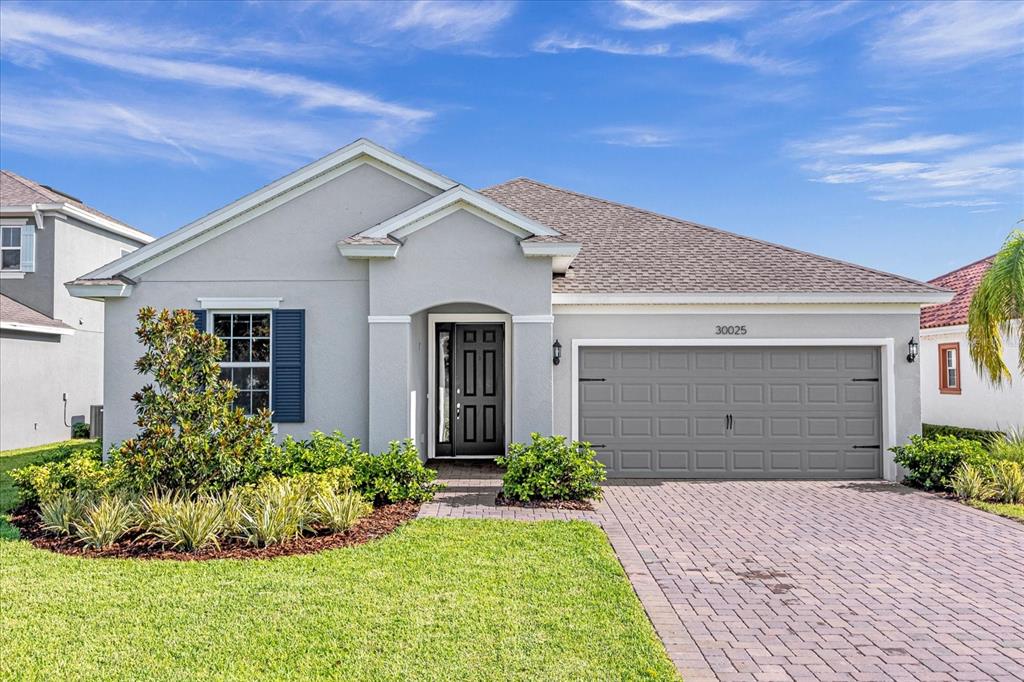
(261, 350)
(260, 378)
(11, 259)
(240, 325)
(222, 325)
(260, 401)
(240, 350)
(11, 236)
(261, 325)
(246, 360)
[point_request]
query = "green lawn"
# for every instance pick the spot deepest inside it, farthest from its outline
(438, 600)
(1010, 511)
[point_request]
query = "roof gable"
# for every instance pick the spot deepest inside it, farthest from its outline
(635, 253)
(963, 282)
(308, 177)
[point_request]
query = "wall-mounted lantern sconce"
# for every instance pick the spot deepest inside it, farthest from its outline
(912, 348)
(556, 352)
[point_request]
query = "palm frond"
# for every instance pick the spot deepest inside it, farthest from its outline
(997, 311)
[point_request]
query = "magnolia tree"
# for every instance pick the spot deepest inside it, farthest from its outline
(191, 436)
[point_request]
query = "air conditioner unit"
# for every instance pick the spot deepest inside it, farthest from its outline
(96, 421)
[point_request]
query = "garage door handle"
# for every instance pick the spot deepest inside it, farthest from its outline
(602, 379)
(874, 380)
(598, 445)
(867, 447)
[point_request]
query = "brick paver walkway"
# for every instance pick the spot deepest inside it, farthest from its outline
(805, 580)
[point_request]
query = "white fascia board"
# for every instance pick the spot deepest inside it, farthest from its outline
(927, 332)
(262, 200)
(237, 303)
(740, 309)
(82, 215)
(751, 297)
(562, 254)
(431, 210)
(36, 328)
(368, 250)
(99, 292)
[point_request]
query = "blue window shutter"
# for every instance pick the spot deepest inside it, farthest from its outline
(28, 248)
(200, 319)
(288, 366)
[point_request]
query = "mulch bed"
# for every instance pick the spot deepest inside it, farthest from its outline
(574, 505)
(380, 522)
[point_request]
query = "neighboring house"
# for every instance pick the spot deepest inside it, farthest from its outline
(367, 293)
(51, 344)
(953, 392)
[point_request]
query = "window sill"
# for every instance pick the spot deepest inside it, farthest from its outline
(12, 274)
(949, 391)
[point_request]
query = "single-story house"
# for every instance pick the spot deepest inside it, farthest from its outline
(367, 293)
(953, 392)
(51, 344)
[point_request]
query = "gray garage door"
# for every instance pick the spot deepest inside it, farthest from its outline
(732, 413)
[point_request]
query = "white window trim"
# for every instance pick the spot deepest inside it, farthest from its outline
(12, 274)
(951, 364)
(474, 318)
(239, 305)
(18, 248)
(887, 347)
(270, 373)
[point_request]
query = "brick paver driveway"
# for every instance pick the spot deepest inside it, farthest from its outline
(806, 580)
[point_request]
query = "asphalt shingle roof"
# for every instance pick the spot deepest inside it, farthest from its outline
(12, 311)
(631, 250)
(963, 282)
(16, 190)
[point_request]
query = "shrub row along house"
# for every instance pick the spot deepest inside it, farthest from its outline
(51, 344)
(367, 293)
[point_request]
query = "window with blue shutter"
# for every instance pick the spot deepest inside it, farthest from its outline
(288, 366)
(200, 319)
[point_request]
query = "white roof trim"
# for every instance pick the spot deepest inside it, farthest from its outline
(562, 254)
(751, 297)
(85, 216)
(443, 204)
(368, 250)
(941, 331)
(740, 309)
(99, 291)
(36, 328)
(251, 205)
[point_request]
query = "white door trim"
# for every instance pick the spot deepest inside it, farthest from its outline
(432, 320)
(887, 347)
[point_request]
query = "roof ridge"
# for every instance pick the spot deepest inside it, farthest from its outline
(719, 230)
(962, 267)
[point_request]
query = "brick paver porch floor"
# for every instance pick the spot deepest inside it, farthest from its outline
(804, 580)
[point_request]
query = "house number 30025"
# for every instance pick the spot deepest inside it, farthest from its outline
(731, 330)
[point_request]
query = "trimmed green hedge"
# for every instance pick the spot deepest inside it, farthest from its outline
(932, 430)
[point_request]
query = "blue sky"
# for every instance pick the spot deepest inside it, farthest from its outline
(887, 134)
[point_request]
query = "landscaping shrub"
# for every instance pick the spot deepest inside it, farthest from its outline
(338, 511)
(319, 453)
(60, 513)
(1009, 447)
(191, 437)
(971, 483)
(980, 435)
(1008, 482)
(106, 521)
(80, 430)
(549, 468)
(932, 461)
(183, 522)
(72, 471)
(278, 510)
(396, 475)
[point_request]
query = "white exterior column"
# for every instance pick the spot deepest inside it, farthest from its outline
(531, 376)
(389, 379)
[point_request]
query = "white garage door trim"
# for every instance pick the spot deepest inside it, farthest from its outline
(886, 346)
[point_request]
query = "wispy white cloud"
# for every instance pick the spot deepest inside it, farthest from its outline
(647, 15)
(635, 136)
(423, 23)
(187, 132)
(554, 44)
(925, 170)
(724, 51)
(952, 34)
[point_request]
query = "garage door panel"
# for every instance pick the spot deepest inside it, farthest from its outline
(796, 413)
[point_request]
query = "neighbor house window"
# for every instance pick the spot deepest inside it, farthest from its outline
(246, 359)
(949, 368)
(10, 248)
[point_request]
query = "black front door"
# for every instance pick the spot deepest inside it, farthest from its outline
(470, 390)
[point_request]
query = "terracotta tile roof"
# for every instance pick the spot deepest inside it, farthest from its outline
(962, 281)
(12, 311)
(16, 190)
(631, 250)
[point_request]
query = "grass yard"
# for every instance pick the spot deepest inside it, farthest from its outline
(438, 600)
(1010, 511)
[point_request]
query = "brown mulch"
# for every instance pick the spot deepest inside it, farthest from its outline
(380, 522)
(575, 505)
